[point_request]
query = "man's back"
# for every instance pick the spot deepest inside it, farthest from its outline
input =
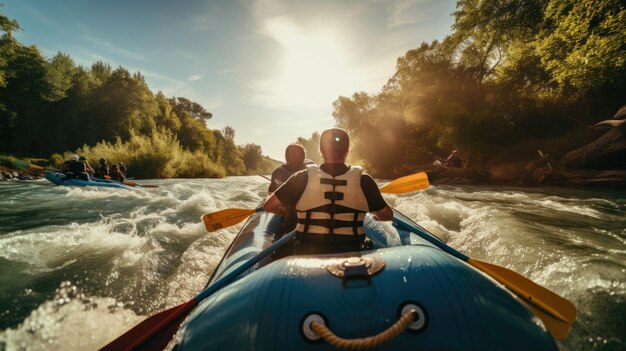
(339, 204)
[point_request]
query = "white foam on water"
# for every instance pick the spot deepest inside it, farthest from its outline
(94, 193)
(70, 321)
(157, 248)
(51, 250)
(197, 263)
(554, 205)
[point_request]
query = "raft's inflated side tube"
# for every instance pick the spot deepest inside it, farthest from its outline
(58, 179)
(461, 308)
(258, 233)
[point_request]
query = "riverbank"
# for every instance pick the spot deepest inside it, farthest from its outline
(524, 174)
(8, 170)
(515, 174)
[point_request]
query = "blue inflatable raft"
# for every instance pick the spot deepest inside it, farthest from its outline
(59, 179)
(358, 295)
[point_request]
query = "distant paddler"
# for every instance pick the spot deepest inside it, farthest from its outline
(74, 168)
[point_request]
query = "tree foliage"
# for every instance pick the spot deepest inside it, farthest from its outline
(512, 71)
(52, 105)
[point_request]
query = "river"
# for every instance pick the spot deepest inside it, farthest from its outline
(81, 266)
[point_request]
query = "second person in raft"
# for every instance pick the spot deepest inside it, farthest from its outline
(330, 200)
(294, 156)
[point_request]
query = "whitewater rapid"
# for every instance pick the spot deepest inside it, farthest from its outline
(79, 266)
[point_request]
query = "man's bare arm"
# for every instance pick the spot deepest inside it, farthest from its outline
(386, 214)
(273, 205)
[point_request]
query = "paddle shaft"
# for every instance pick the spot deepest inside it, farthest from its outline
(107, 178)
(263, 176)
(23, 164)
(492, 270)
(424, 234)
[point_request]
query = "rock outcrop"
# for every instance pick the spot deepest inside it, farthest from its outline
(605, 153)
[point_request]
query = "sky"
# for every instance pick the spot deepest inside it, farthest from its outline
(270, 69)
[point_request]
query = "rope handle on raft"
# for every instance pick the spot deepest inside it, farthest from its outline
(369, 342)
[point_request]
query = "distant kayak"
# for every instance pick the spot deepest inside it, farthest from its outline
(59, 179)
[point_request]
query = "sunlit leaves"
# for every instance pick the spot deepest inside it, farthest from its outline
(584, 45)
(59, 74)
(512, 72)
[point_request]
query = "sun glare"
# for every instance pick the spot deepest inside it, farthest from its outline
(313, 69)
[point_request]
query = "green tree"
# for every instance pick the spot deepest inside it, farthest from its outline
(252, 155)
(227, 153)
(22, 98)
(59, 73)
(121, 105)
(583, 44)
(101, 72)
(312, 147)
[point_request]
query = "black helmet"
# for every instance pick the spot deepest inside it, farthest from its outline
(103, 161)
(82, 158)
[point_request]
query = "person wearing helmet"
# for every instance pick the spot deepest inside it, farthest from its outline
(103, 169)
(88, 168)
(76, 169)
(330, 200)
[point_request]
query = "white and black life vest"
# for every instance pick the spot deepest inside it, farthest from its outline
(332, 205)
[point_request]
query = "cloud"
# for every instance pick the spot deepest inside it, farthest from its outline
(41, 17)
(87, 36)
(408, 12)
(194, 77)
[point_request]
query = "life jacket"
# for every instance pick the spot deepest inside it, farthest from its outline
(76, 170)
(117, 175)
(103, 170)
(332, 206)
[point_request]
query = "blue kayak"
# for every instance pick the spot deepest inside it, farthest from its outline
(357, 295)
(59, 179)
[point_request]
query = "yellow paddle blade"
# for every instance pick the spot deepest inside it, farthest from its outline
(556, 313)
(406, 184)
(225, 218)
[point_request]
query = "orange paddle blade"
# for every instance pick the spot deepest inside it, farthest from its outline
(557, 313)
(406, 184)
(225, 218)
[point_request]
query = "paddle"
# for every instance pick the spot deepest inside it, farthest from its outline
(23, 164)
(155, 332)
(264, 176)
(556, 313)
(107, 177)
(231, 216)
